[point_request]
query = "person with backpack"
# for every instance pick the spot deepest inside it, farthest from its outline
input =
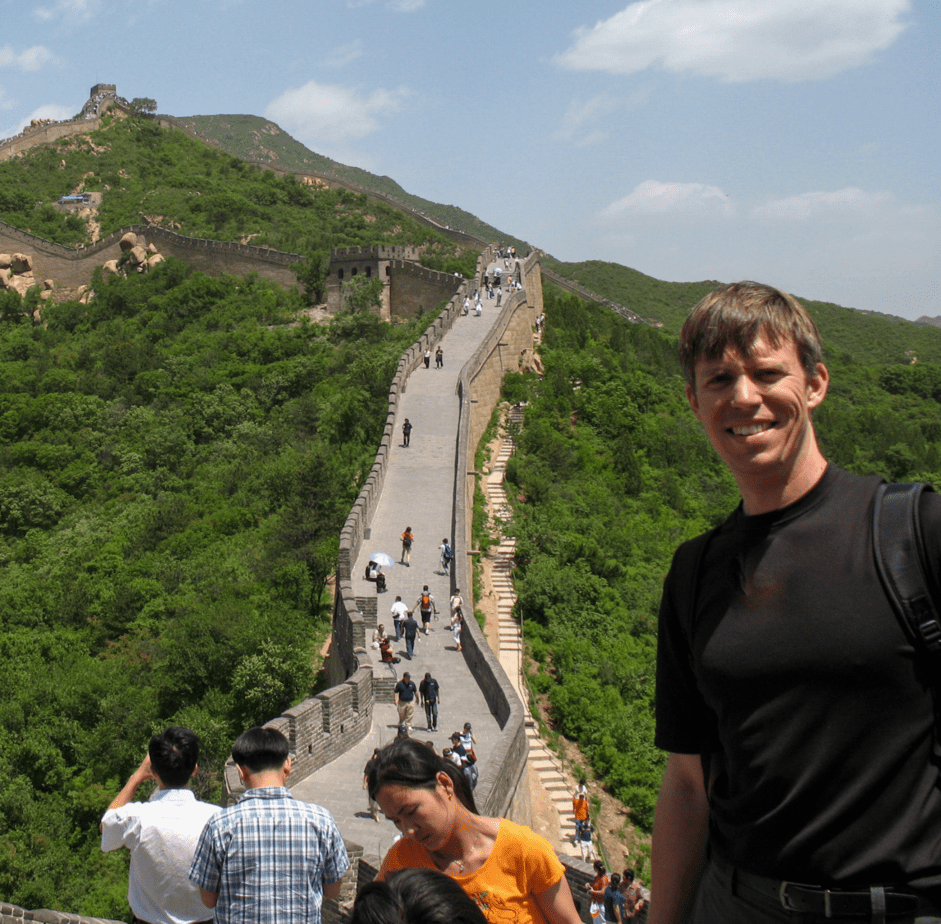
(802, 780)
(408, 537)
(406, 432)
(426, 606)
(447, 556)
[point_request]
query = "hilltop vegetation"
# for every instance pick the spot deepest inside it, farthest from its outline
(866, 337)
(150, 175)
(254, 138)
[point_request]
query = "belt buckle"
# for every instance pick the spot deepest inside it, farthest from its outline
(787, 906)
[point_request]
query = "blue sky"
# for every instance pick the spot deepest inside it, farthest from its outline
(796, 142)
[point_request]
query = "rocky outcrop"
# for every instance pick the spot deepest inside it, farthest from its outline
(16, 272)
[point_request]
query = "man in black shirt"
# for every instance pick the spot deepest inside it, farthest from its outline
(410, 631)
(404, 696)
(429, 695)
(788, 695)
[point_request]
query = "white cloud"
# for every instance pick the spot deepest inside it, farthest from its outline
(327, 118)
(841, 204)
(343, 55)
(674, 199)
(46, 111)
(578, 116)
(68, 9)
(735, 40)
(30, 60)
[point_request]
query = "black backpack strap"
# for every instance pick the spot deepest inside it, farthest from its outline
(900, 559)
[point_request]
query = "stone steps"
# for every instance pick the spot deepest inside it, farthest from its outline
(542, 761)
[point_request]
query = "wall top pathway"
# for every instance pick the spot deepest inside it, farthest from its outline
(418, 491)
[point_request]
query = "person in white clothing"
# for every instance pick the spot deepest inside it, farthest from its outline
(161, 833)
(399, 613)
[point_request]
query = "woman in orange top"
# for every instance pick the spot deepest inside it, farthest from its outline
(511, 873)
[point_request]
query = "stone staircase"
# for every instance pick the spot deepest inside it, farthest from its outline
(541, 760)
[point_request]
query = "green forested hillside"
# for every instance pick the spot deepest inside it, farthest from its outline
(612, 472)
(865, 337)
(177, 459)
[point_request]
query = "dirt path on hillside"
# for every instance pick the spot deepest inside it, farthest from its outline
(622, 844)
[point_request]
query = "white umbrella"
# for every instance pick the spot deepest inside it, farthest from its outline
(380, 558)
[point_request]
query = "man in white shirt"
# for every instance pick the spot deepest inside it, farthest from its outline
(399, 614)
(161, 833)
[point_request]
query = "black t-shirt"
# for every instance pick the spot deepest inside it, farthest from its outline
(804, 695)
(411, 627)
(406, 690)
(429, 689)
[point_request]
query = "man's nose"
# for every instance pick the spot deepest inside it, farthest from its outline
(744, 391)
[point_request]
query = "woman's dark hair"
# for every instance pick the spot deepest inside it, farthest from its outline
(415, 896)
(411, 763)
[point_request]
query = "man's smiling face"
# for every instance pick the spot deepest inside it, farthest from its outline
(756, 410)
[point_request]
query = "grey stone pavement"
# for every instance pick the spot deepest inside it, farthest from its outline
(418, 491)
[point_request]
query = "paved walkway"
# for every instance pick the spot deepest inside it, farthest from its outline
(418, 491)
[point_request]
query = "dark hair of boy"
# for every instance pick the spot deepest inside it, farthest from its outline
(260, 748)
(174, 754)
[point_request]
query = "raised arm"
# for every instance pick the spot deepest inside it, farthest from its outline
(679, 838)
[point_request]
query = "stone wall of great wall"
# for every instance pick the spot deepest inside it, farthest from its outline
(72, 267)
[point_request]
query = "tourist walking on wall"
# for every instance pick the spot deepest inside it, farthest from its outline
(410, 629)
(429, 695)
(447, 555)
(399, 612)
(408, 537)
(457, 623)
(439, 358)
(426, 605)
(404, 695)
(427, 358)
(580, 810)
(584, 841)
(406, 432)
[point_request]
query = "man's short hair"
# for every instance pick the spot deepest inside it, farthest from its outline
(735, 315)
(260, 748)
(174, 754)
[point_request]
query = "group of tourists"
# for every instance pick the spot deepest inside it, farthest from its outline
(616, 898)
(271, 857)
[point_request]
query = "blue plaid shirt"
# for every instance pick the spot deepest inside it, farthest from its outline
(268, 857)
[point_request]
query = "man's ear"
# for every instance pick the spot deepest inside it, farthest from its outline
(194, 770)
(244, 773)
(692, 399)
(817, 385)
(287, 767)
